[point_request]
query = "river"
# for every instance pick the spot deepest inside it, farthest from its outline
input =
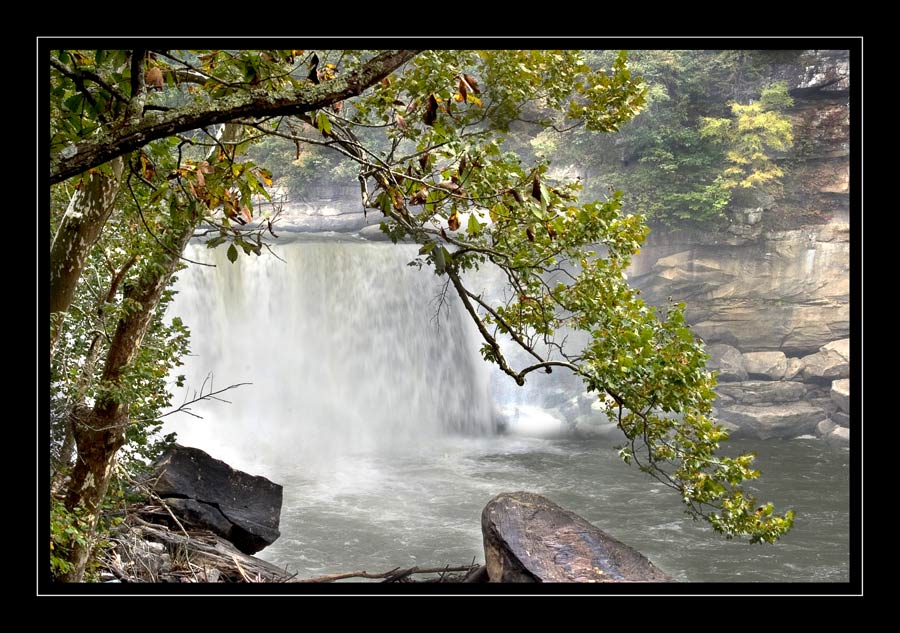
(377, 417)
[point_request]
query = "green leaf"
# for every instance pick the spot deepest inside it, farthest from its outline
(323, 123)
(545, 196)
(440, 260)
(158, 194)
(474, 226)
(232, 254)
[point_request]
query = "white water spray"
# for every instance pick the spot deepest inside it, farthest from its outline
(344, 350)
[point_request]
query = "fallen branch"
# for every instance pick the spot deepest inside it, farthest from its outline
(394, 575)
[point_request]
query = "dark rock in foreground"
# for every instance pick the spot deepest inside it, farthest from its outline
(528, 538)
(208, 493)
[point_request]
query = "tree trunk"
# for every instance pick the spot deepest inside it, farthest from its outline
(88, 211)
(60, 464)
(100, 432)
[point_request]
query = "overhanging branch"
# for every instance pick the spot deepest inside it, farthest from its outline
(97, 151)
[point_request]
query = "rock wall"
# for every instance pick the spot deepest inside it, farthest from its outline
(770, 295)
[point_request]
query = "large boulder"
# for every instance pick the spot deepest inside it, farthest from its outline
(728, 361)
(762, 391)
(786, 420)
(824, 366)
(840, 394)
(208, 493)
(765, 365)
(528, 538)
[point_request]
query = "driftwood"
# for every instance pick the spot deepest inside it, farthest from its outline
(400, 575)
(151, 545)
(150, 552)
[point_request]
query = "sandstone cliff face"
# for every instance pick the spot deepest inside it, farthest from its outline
(780, 291)
(778, 278)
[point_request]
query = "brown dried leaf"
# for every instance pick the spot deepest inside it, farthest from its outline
(453, 221)
(430, 110)
(450, 186)
(313, 75)
(551, 231)
(420, 197)
(463, 91)
(154, 78)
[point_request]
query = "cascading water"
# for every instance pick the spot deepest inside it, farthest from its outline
(347, 347)
(377, 421)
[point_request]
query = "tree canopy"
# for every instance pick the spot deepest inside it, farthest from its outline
(147, 145)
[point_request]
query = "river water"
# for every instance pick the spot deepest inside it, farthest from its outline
(377, 417)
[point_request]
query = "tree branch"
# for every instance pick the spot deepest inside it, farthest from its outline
(393, 575)
(86, 74)
(95, 152)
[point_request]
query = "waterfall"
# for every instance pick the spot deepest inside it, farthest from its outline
(347, 348)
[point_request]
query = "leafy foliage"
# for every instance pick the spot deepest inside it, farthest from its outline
(470, 204)
(668, 160)
(428, 146)
(753, 132)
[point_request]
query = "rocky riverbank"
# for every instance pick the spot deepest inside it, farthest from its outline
(181, 538)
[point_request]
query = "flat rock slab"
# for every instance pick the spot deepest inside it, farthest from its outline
(785, 420)
(528, 538)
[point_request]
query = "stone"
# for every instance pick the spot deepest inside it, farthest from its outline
(197, 513)
(528, 538)
(793, 368)
(840, 418)
(840, 394)
(243, 508)
(842, 347)
(785, 290)
(824, 366)
(765, 365)
(728, 361)
(825, 403)
(784, 421)
(762, 391)
(839, 437)
(825, 427)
